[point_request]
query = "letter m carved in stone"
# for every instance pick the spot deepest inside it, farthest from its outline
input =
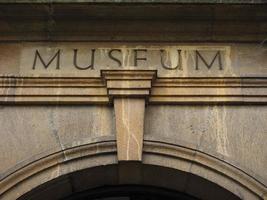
(46, 64)
(200, 57)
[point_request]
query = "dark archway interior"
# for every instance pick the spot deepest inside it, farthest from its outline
(130, 192)
(129, 181)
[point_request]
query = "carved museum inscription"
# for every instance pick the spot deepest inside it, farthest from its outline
(169, 59)
(88, 60)
(97, 73)
(76, 59)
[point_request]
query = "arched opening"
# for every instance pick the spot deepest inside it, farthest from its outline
(129, 181)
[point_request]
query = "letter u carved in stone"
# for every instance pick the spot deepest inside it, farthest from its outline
(163, 59)
(91, 66)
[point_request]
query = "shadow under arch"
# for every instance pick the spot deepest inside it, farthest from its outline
(95, 165)
(125, 179)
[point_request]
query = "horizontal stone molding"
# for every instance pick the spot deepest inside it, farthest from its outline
(132, 83)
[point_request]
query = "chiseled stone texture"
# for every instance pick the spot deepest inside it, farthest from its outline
(31, 132)
(234, 134)
(129, 128)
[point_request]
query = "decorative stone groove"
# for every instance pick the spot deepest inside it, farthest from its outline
(250, 90)
(59, 90)
(102, 90)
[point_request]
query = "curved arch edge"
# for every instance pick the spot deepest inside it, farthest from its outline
(154, 153)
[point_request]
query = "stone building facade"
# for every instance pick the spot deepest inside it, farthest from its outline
(133, 99)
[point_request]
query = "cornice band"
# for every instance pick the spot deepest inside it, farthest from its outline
(132, 83)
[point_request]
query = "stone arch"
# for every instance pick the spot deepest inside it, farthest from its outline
(135, 158)
(176, 168)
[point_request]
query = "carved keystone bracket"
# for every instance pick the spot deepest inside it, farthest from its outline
(128, 83)
(129, 89)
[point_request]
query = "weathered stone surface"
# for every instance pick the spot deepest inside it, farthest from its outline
(207, 135)
(234, 134)
(166, 22)
(202, 132)
(129, 114)
(208, 132)
(29, 133)
(25, 133)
